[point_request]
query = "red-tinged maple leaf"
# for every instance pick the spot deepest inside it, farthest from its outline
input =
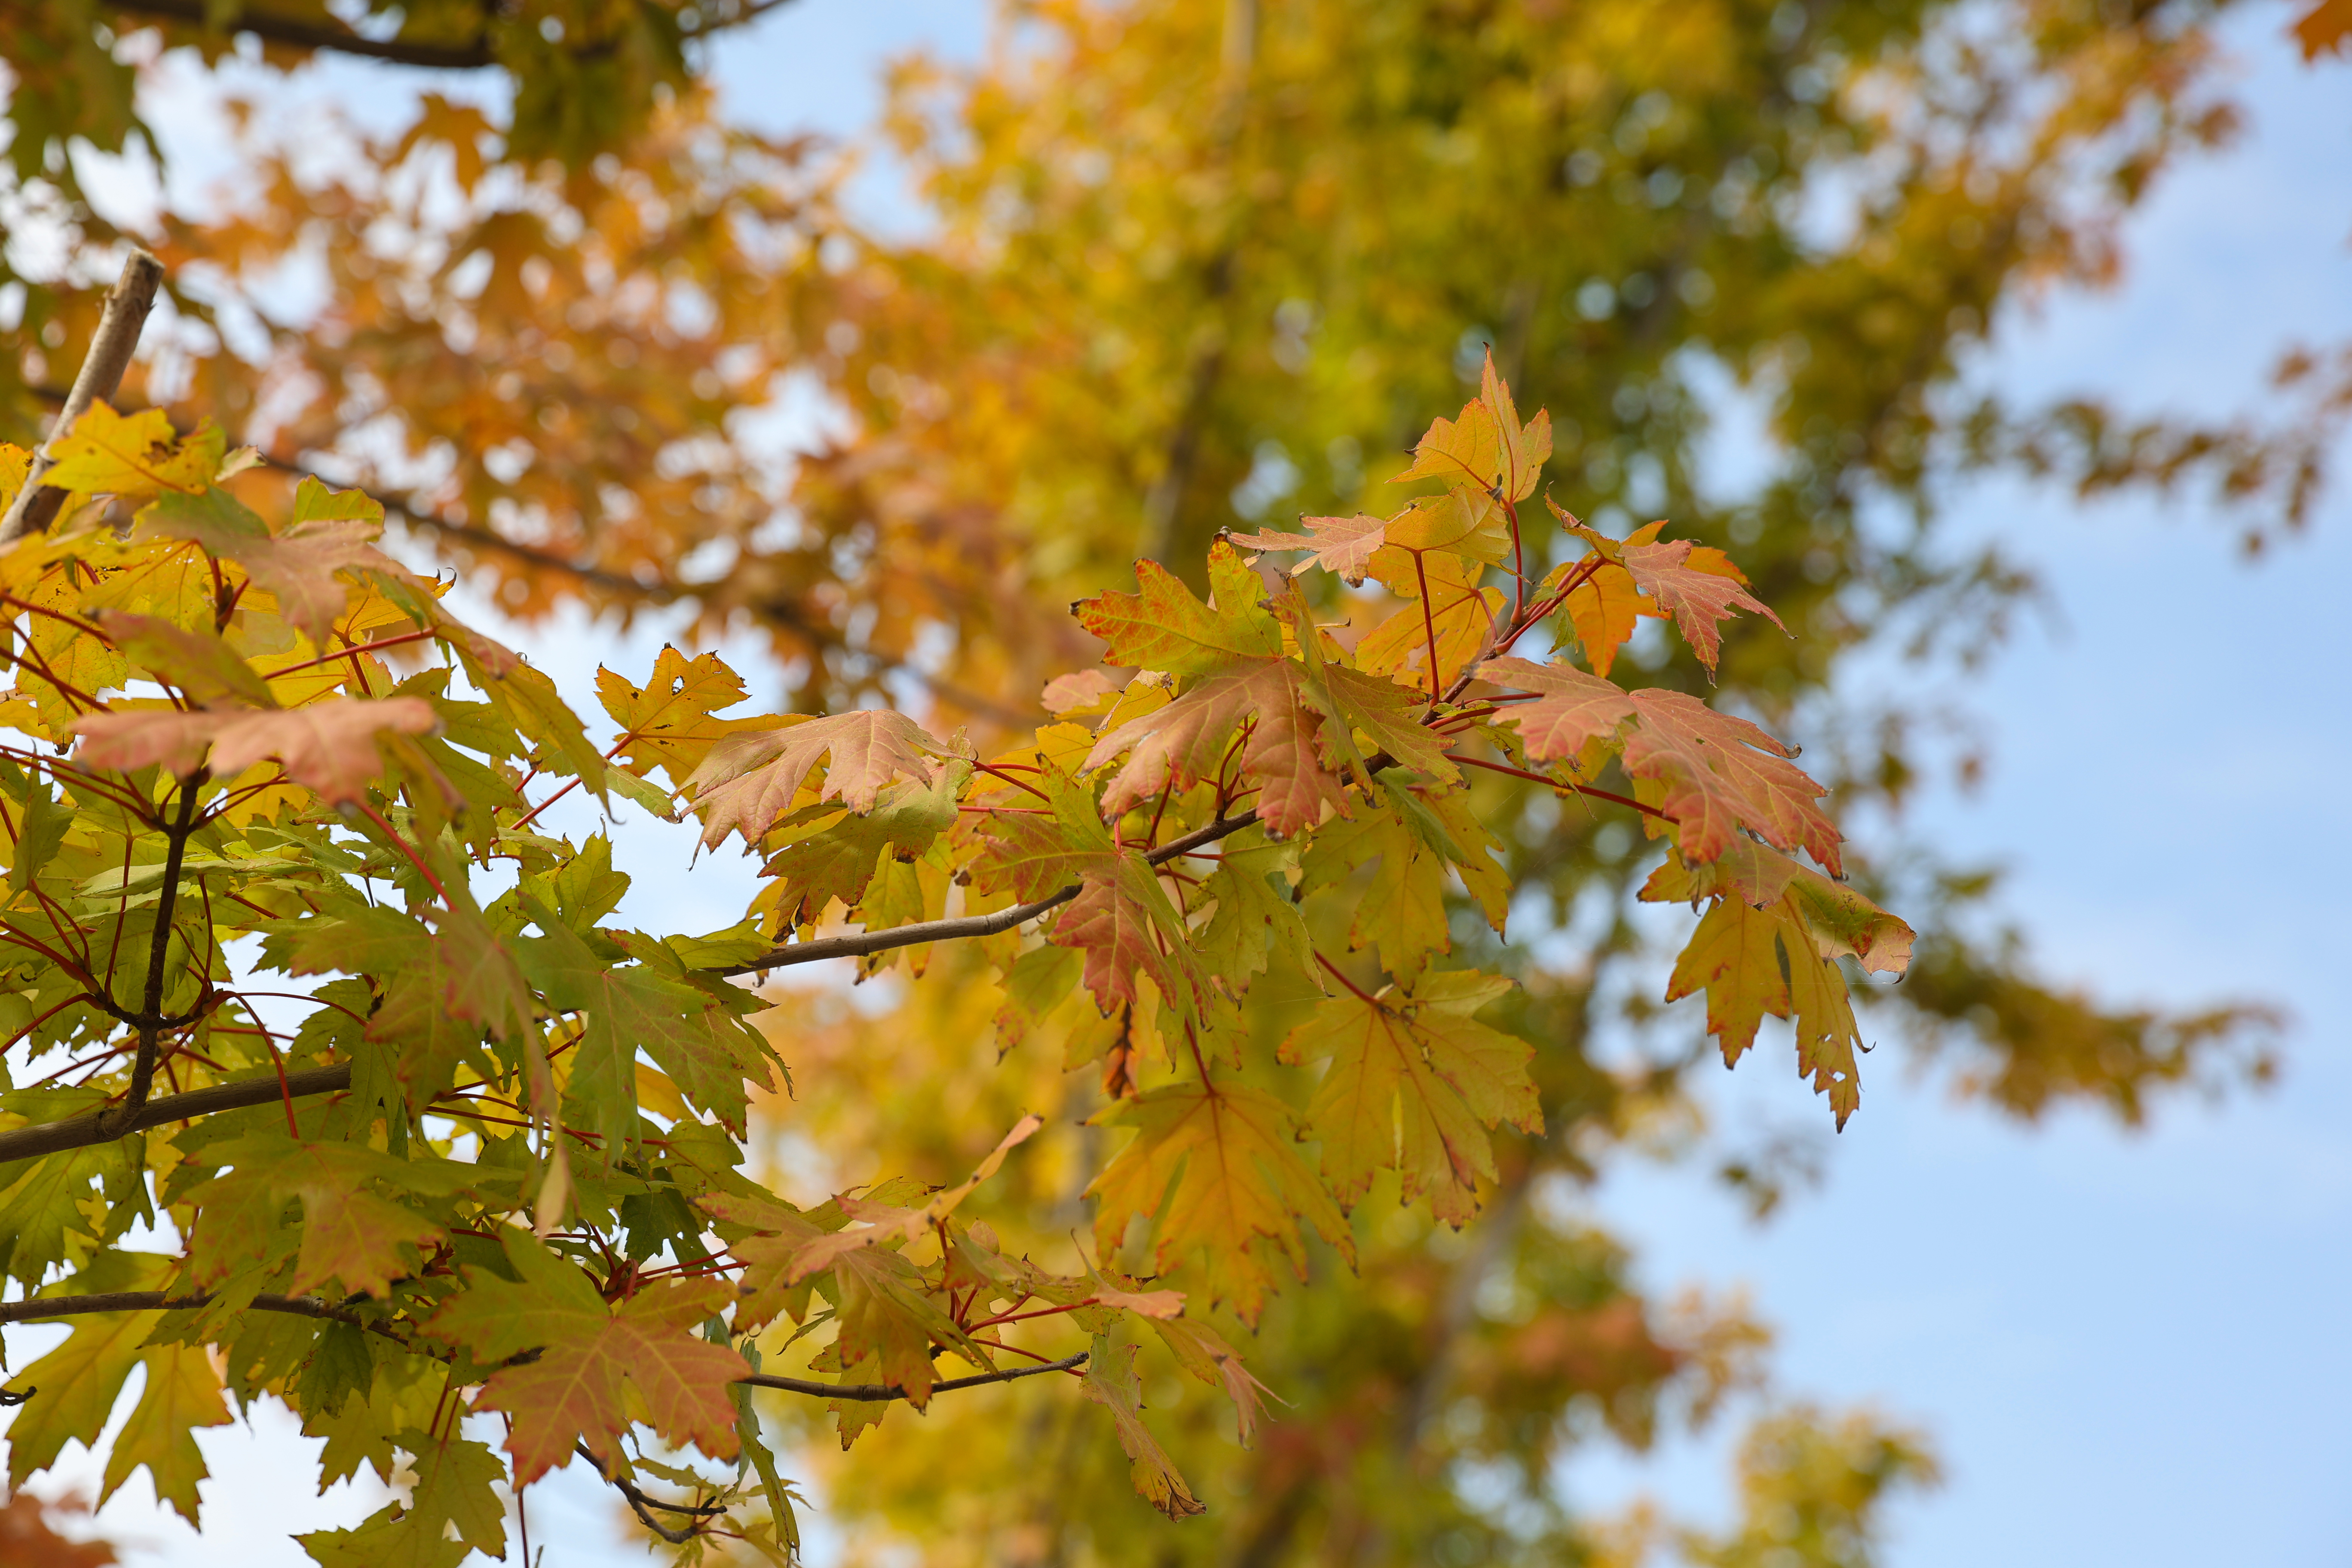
(1721, 772)
(1079, 690)
(886, 1223)
(889, 1318)
(1571, 709)
(1123, 920)
(1467, 450)
(576, 1390)
(1344, 545)
(1162, 627)
(1187, 740)
(1414, 1084)
(1239, 1191)
(746, 781)
(1698, 586)
(1111, 1381)
(670, 721)
(330, 747)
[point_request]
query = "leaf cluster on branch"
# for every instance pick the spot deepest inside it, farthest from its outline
(269, 810)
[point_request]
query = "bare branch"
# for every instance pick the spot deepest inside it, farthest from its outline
(41, 1309)
(881, 1391)
(922, 932)
(118, 1122)
(127, 304)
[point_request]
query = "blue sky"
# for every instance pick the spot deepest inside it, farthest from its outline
(2128, 1346)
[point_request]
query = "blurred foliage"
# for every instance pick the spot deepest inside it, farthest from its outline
(1182, 268)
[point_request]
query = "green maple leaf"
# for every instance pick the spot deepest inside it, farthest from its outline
(1415, 1083)
(626, 1007)
(1162, 627)
(589, 1355)
(1111, 1382)
(348, 1233)
(457, 1481)
(81, 1379)
(1222, 1157)
(182, 1393)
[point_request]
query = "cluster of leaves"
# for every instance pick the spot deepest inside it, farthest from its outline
(512, 1134)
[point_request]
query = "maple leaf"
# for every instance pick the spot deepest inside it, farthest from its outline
(1721, 772)
(1221, 1156)
(1445, 602)
(1186, 742)
(831, 854)
(1121, 916)
(331, 531)
(1698, 586)
(198, 662)
(82, 1377)
(456, 1481)
(1344, 545)
(107, 453)
(328, 747)
(887, 1223)
(1603, 608)
(889, 1319)
(625, 1009)
(669, 723)
(590, 1355)
(1162, 627)
(182, 1393)
(1414, 1083)
(1751, 961)
(1123, 920)
(1111, 1382)
(1203, 1352)
(746, 781)
(348, 1235)
(1080, 691)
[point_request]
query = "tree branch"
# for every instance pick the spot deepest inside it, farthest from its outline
(119, 1122)
(301, 35)
(881, 1391)
(915, 936)
(127, 304)
(42, 1309)
(150, 1020)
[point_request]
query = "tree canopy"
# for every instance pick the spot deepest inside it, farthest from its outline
(1234, 927)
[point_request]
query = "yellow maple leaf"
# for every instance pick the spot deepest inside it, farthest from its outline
(107, 453)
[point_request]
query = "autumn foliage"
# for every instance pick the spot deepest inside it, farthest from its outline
(298, 983)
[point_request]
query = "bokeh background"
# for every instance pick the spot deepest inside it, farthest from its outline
(2128, 1346)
